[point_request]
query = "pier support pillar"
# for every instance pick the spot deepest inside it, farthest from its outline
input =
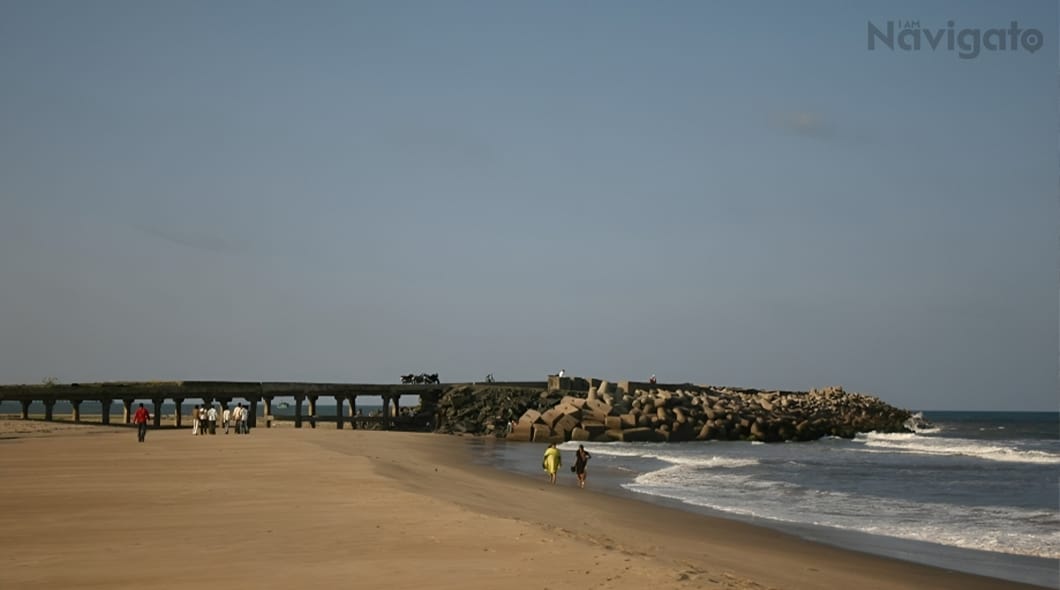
(353, 411)
(76, 404)
(25, 408)
(340, 401)
(268, 410)
(126, 413)
(49, 406)
(298, 399)
(104, 410)
(178, 405)
(156, 416)
(313, 406)
(386, 412)
(252, 419)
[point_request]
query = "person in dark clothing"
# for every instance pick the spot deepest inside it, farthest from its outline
(581, 461)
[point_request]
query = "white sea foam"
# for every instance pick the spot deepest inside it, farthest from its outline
(658, 452)
(988, 450)
(985, 528)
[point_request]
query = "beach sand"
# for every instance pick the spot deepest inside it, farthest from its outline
(89, 507)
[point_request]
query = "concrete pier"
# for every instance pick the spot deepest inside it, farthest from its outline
(224, 393)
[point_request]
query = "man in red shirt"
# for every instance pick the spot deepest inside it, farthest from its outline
(140, 419)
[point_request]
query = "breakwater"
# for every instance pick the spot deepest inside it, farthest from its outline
(593, 410)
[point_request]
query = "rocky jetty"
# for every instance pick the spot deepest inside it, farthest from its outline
(665, 413)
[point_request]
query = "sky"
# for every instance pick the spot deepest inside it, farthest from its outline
(732, 193)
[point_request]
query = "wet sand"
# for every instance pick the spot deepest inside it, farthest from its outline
(89, 507)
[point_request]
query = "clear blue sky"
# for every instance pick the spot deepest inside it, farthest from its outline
(732, 193)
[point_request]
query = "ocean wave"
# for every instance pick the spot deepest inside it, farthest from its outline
(914, 443)
(983, 528)
(674, 458)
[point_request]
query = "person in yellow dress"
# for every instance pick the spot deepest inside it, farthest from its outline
(551, 462)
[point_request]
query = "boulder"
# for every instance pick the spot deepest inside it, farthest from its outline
(570, 400)
(521, 434)
(580, 435)
(542, 433)
(595, 428)
(565, 425)
(531, 415)
(596, 409)
(634, 435)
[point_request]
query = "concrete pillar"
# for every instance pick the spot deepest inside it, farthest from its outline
(268, 410)
(156, 415)
(76, 403)
(298, 399)
(386, 412)
(126, 414)
(104, 410)
(25, 408)
(252, 419)
(49, 405)
(397, 409)
(178, 404)
(313, 405)
(340, 401)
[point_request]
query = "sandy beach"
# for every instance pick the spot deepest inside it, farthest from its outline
(89, 507)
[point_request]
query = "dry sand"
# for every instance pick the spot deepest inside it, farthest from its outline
(89, 507)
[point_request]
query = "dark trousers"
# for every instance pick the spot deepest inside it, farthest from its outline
(141, 431)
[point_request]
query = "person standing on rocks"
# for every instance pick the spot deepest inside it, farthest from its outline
(551, 462)
(140, 419)
(581, 461)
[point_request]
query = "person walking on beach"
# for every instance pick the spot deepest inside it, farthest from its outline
(211, 417)
(226, 416)
(551, 462)
(195, 420)
(202, 419)
(244, 414)
(140, 419)
(581, 461)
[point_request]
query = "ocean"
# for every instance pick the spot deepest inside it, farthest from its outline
(979, 492)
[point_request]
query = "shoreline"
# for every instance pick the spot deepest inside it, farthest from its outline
(1002, 566)
(310, 507)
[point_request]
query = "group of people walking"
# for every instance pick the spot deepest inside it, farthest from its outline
(553, 460)
(204, 419)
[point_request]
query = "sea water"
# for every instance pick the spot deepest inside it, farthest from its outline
(978, 492)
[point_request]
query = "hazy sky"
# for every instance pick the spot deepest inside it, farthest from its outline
(734, 193)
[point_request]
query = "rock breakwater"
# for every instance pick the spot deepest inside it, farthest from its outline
(684, 413)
